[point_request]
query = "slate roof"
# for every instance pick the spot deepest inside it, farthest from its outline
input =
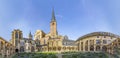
(98, 34)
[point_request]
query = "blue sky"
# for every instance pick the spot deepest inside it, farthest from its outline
(74, 17)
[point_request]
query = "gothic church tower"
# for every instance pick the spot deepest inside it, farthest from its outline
(53, 25)
(17, 35)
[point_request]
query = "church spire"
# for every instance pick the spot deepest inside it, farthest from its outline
(53, 25)
(53, 16)
(30, 35)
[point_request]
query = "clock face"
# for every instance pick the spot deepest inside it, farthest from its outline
(52, 23)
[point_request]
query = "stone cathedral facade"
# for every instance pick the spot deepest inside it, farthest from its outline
(52, 41)
(43, 42)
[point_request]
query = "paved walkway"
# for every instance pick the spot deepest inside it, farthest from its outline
(59, 55)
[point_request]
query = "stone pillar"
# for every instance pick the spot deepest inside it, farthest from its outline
(7, 52)
(80, 46)
(83, 46)
(94, 45)
(101, 48)
(0, 47)
(101, 45)
(88, 45)
(3, 54)
(14, 39)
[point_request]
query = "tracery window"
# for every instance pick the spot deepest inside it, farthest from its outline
(104, 41)
(16, 35)
(98, 41)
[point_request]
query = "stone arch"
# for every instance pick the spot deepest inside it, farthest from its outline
(54, 48)
(32, 49)
(22, 49)
(97, 48)
(16, 50)
(50, 48)
(59, 48)
(81, 46)
(104, 48)
(91, 48)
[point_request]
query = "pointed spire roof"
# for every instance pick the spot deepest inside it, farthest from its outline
(53, 15)
(30, 35)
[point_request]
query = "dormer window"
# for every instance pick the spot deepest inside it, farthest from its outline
(104, 36)
(97, 36)
(104, 41)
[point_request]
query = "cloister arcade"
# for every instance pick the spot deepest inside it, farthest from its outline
(98, 42)
(6, 48)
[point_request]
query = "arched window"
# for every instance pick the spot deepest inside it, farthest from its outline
(16, 35)
(91, 48)
(104, 48)
(104, 41)
(97, 48)
(20, 36)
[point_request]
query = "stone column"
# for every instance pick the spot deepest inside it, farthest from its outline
(80, 46)
(0, 47)
(94, 45)
(83, 46)
(4, 49)
(88, 45)
(14, 39)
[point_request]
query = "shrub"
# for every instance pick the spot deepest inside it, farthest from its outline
(36, 55)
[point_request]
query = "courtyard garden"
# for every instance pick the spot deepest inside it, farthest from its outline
(64, 55)
(35, 55)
